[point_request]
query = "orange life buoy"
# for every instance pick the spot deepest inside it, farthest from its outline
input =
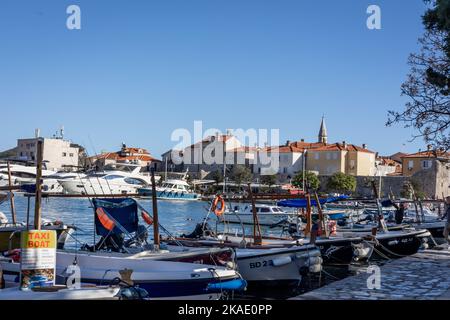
(218, 210)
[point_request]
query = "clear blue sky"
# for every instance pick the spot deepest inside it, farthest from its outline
(137, 70)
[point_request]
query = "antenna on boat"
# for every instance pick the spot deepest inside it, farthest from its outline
(98, 180)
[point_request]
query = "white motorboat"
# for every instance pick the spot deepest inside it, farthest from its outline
(272, 264)
(173, 189)
(21, 175)
(154, 272)
(109, 181)
(267, 214)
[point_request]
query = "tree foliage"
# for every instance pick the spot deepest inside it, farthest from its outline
(241, 174)
(428, 84)
(342, 183)
(269, 180)
(412, 188)
(311, 180)
(217, 176)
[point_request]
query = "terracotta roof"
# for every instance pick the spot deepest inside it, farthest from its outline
(342, 147)
(307, 145)
(428, 154)
(386, 161)
(285, 149)
(134, 154)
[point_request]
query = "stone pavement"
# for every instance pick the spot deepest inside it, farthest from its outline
(423, 276)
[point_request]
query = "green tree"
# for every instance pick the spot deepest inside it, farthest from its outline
(342, 183)
(241, 174)
(412, 187)
(311, 179)
(217, 177)
(428, 84)
(269, 180)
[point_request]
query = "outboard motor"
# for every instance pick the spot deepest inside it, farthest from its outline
(200, 230)
(142, 234)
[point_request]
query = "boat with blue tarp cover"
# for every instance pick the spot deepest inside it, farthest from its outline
(168, 273)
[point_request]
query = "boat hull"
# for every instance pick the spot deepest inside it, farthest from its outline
(10, 236)
(161, 279)
(170, 195)
(272, 267)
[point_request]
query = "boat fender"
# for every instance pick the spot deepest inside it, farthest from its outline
(315, 260)
(361, 252)
(278, 262)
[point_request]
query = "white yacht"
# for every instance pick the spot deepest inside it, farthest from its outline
(115, 180)
(173, 189)
(21, 175)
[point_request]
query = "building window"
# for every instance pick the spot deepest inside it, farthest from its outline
(426, 164)
(317, 156)
(71, 155)
(64, 154)
(328, 156)
(335, 156)
(410, 165)
(284, 170)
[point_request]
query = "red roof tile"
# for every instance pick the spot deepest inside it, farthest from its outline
(342, 147)
(428, 154)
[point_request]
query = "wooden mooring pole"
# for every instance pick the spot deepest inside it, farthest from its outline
(13, 206)
(156, 241)
(38, 200)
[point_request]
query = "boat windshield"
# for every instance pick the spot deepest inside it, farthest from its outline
(97, 175)
(113, 177)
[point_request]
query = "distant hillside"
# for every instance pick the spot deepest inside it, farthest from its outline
(11, 153)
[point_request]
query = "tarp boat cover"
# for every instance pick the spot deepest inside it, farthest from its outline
(122, 211)
(301, 203)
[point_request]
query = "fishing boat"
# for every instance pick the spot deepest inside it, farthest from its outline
(169, 272)
(259, 263)
(172, 189)
(376, 241)
(265, 264)
(160, 278)
(10, 232)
